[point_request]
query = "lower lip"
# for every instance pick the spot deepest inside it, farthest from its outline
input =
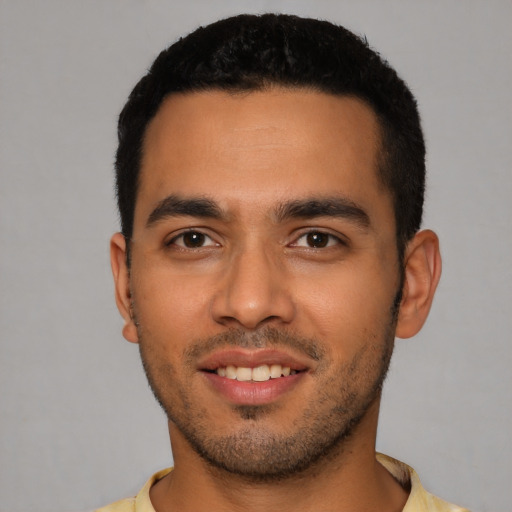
(253, 393)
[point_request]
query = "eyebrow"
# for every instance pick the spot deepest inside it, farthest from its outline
(174, 206)
(311, 208)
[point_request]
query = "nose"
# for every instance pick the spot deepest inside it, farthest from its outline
(253, 292)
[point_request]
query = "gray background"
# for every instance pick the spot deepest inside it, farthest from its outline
(78, 426)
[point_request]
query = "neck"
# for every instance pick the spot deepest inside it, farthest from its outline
(348, 478)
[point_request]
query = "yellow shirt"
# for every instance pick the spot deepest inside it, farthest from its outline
(419, 499)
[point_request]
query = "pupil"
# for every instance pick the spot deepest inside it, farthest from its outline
(317, 239)
(193, 239)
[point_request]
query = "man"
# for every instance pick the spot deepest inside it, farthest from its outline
(270, 177)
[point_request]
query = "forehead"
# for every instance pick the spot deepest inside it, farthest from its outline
(262, 145)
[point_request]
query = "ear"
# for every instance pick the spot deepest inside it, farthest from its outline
(422, 272)
(121, 275)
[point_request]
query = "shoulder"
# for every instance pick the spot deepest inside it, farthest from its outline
(139, 503)
(126, 505)
(419, 499)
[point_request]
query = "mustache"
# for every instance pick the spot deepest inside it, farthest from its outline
(268, 337)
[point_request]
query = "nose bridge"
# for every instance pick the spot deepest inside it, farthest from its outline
(253, 289)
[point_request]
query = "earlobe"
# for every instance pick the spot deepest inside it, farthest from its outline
(422, 264)
(121, 274)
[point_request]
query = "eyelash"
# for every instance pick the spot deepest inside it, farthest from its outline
(182, 235)
(311, 233)
(315, 232)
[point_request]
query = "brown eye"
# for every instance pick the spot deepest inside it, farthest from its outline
(317, 239)
(192, 240)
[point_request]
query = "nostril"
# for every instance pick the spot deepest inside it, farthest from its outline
(247, 322)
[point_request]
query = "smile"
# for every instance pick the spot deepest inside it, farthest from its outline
(253, 377)
(261, 373)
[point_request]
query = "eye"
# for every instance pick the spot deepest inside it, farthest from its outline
(192, 240)
(317, 240)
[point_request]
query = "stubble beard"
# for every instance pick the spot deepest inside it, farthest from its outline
(253, 451)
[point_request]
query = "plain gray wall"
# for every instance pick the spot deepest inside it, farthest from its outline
(79, 427)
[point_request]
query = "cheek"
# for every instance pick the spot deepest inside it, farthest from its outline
(170, 306)
(348, 305)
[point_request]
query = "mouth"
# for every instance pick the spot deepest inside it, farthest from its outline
(253, 378)
(260, 373)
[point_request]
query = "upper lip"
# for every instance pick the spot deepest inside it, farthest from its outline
(251, 359)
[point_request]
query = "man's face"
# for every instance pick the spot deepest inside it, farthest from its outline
(263, 244)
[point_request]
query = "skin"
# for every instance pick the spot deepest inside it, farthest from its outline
(328, 280)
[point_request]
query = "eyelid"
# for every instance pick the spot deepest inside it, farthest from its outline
(180, 234)
(338, 238)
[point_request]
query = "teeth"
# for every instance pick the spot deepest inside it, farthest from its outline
(243, 374)
(275, 371)
(230, 372)
(259, 374)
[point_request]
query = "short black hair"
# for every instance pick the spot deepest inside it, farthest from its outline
(256, 52)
